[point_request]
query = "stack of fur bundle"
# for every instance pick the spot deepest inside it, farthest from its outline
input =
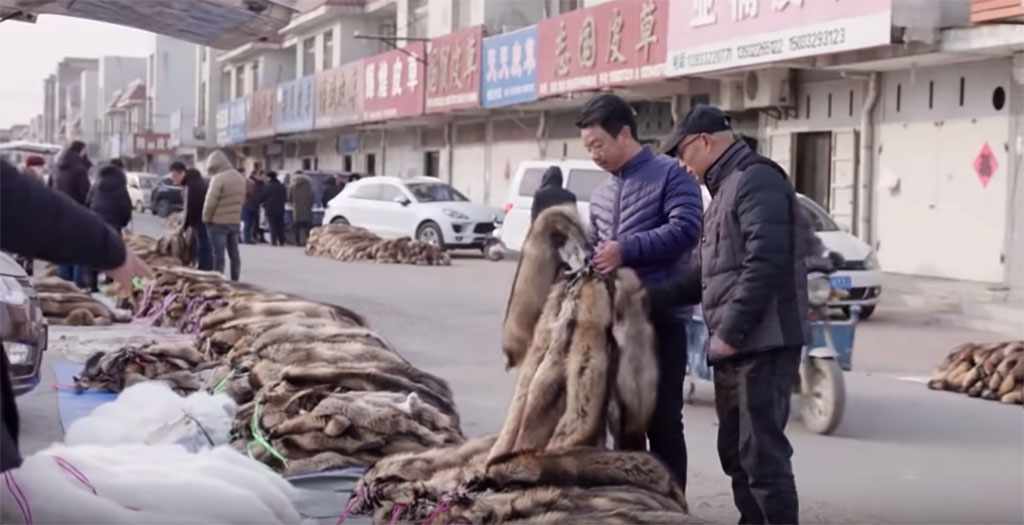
(63, 303)
(585, 351)
(351, 243)
(173, 249)
(991, 371)
(175, 363)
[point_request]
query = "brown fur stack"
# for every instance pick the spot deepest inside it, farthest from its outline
(574, 485)
(174, 249)
(351, 243)
(990, 371)
(63, 303)
(173, 363)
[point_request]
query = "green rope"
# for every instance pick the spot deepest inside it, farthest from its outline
(260, 439)
(223, 384)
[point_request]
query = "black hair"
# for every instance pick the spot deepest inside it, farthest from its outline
(117, 162)
(610, 112)
(77, 146)
(178, 166)
(272, 175)
(193, 173)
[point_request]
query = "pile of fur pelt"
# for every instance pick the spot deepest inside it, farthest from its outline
(585, 354)
(174, 363)
(63, 303)
(991, 371)
(173, 249)
(351, 243)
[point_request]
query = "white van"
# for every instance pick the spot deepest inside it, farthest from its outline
(581, 177)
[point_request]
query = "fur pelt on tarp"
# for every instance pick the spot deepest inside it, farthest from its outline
(351, 243)
(590, 366)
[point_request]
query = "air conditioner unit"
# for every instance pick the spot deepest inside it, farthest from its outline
(768, 88)
(730, 95)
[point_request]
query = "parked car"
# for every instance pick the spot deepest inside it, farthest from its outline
(166, 197)
(420, 207)
(859, 275)
(581, 177)
(22, 325)
(140, 188)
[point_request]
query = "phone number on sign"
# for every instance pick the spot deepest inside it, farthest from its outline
(817, 39)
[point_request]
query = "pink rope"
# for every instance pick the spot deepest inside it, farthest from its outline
(397, 513)
(442, 507)
(19, 497)
(163, 307)
(70, 469)
(352, 502)
(146, 295)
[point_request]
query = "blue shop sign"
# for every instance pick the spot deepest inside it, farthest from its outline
(237, 115)
(509, 73)
(295, 105)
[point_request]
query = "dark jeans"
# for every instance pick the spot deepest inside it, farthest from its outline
(225, 237)
(276, 230)
(302, 232)
(665, 433)
(204, 252)
(752, 395)
(74, 273)
(250, 220)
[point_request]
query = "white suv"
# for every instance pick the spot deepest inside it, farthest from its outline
(581, 177)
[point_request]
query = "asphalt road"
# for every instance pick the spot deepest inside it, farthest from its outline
(903, 453)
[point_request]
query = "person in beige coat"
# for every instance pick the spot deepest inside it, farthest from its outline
(222, 209)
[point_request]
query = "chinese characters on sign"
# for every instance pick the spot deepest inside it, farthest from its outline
(393, 83)
(611, 44)
(145, 142)
(510, 68)
(295, 106)
(721, 34)
(261, 113)
(339, 96)
(453, 71)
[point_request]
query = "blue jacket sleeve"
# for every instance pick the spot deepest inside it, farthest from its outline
(683, 208)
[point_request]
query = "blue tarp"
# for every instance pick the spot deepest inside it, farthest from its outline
(71, 405)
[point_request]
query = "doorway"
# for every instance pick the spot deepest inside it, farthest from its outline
(813, 173)
(432, 163)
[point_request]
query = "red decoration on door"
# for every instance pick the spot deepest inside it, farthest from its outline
(985, 165)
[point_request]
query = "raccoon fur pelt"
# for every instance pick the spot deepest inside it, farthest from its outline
(582, 484)
(173, 363)
(351, 243)
(990, 371)
(590, 367)
(173, 249)
(63, 303)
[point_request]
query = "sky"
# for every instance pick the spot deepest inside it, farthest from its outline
(30, 52)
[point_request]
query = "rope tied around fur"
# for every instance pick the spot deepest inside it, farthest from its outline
(189, 311)
(223, 383)
(164, 306)
(351, 505)
(397, 513)
(259, 438)
(147, 294)
(19, 497)
(442, 507)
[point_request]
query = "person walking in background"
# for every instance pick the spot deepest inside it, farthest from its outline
(251, 210)
(109, 199)
(72, 179)
(752, 282)
(550, 193)
(38, 222)
(273, 198)
(194, 188)
(646, 216)
(222, 209)
(300, 194)
(331, 190)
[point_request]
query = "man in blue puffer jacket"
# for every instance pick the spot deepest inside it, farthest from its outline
(647, 217)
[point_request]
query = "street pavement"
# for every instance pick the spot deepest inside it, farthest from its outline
(903, 453)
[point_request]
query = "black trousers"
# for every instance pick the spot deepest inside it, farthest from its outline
(9, 456)
(665, 433)
(276, 231)
(752, 397)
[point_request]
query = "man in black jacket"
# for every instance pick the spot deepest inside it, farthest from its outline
(72, 179)
(195, 196)
(550, 193)
(273, 197)
(752, 284)
(38, 222)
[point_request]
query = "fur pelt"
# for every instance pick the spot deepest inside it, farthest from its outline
(61, 306)
(991, 371)
(556, 240)
(350, 243)
(172, 363)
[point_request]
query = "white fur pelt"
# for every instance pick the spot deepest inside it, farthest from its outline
(144, 484)
(152, 413)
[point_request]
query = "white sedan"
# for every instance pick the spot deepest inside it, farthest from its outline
(420, 207)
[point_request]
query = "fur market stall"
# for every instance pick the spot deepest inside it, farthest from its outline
(351, 243)
(990, 371)
(584, 351)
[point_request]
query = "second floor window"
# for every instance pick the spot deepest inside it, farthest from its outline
(328, 58)
(254, 71)
(308, 56)
(239, 81)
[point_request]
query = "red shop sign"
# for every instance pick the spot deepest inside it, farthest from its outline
(612, 44)
(393, 83)
(453, 71)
